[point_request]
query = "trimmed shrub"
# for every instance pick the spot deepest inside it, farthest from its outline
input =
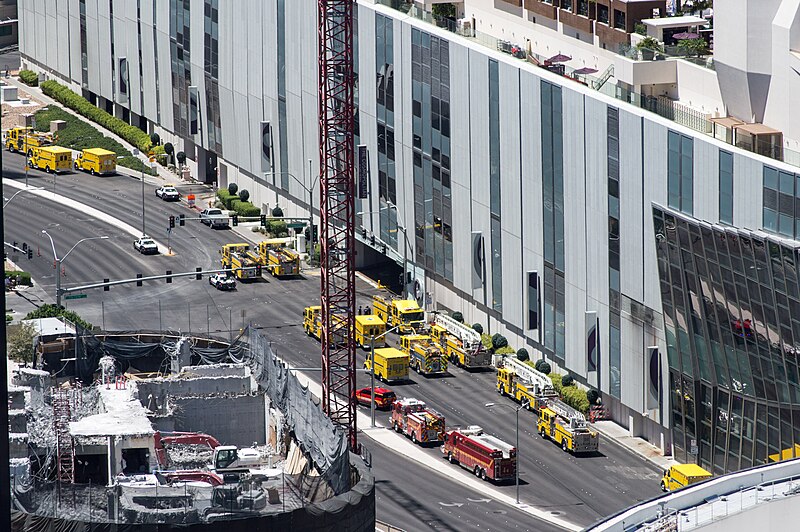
(233, 188)
(507, 350)
(555, 379)
(225, 197)
(21, 278)
(567, 380)
(181, 157)
(158, 150)
(498, 341)
(244, 195)
(29, 78)
(544, 367)
(233, 203)
(522, 354)
(593, 397)
(245, 208)
(49, 310)
(81, 105)
(277, 227)
(576, 398)
(459, 317)
(155, 139)
(478, 328)
(277, 212)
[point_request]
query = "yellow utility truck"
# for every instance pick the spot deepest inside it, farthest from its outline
(424, 356)
(404, 314)
(278, 258)
(368, 326)
(567, 427)
(52, 159)
(460, 342)
(390, 364)
(97, 161)
(25, 139)
(682, 475)
(312, 324)
(236, 257)
(524, 383)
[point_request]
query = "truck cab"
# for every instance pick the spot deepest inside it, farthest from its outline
(682, 475)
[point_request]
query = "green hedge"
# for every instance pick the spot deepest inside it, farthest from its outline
(23, 278)
(245, 208)
(571, 395)
(226, 197)
(81, 105)
(79, 135)
(278, 228)
(29, 77)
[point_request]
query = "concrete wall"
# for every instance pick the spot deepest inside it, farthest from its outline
(234, 420)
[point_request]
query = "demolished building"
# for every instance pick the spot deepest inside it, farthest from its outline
(223, 431)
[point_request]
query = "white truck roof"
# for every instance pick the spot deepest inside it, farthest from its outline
(468, 336)
(474, 432)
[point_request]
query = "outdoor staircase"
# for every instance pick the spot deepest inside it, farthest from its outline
(605, 76)
(65, 447)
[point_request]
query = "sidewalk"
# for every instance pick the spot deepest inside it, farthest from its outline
(619, 435)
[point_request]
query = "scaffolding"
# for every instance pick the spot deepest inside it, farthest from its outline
(65, 448)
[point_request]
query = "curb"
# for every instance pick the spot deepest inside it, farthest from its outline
(636, 452)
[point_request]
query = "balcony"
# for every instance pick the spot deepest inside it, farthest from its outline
(544, 9)
(578, 22)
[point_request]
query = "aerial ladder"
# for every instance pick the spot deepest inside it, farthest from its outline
(567, 427)
(461, 342)
(524, 383)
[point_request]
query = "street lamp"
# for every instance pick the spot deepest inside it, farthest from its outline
(59, 261)
(406, 244)
(310, 196)
(26, 189)
(372, 372)
(524, 404)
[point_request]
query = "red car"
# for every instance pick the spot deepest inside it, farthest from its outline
(383, 397)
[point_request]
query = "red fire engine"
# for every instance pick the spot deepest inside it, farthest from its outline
(484, 455)
(414, 419)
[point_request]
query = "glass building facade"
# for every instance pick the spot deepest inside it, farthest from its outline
(387, 176)
(731, 302)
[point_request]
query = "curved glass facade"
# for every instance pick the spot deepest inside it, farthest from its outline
(732, 319)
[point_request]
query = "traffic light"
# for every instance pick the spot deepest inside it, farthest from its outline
(24, 247)
(138, 276)
(172, 222)
(30, 253)
(106, 288)
(235, 220)
(263, 220)
(169, 274)
(198, 275)
(182, 220)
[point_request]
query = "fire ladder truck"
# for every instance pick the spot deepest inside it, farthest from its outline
(461, 343)
(521, 382)
(567, 427)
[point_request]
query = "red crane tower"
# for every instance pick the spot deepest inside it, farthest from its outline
(337, 212)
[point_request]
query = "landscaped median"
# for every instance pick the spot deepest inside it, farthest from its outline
(82, 106)
(79, 135)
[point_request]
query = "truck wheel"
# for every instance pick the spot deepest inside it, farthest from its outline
(91, 171)
(483, 474)
(414, 437)
(477, 471)
(564, 446)
(48, 170)
(30, 152)
(543, 433)
(663, 486)
(75, 165)
(451, 458)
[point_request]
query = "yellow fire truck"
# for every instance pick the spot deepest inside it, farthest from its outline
(52, 159)
(567, 427)
(424, 356)
(236, 257)
(97, 161)
(390, 364)
(312, 324)
(278, 258)
(523, 383)
(401, 313)
(461, 343)
(25, 139)
(367, 326)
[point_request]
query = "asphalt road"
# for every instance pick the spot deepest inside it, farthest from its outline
(579, 489)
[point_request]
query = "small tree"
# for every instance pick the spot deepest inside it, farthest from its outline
(181, 157)
(155, 139)
(444, 11)
(545, 368)
(244, 195)
(48, 310)
(498, 341)
(169, 149)
(693, 47)
(277, 212)
(593, 397)
(478, 328)
(567, 380)
(522, 354)
(233, 188)
(20, 342)
(459, 317)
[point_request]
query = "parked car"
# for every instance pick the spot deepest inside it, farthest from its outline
(168, 193)
(214, 218)
(145, 245)
(221, 281)
(383, 397)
